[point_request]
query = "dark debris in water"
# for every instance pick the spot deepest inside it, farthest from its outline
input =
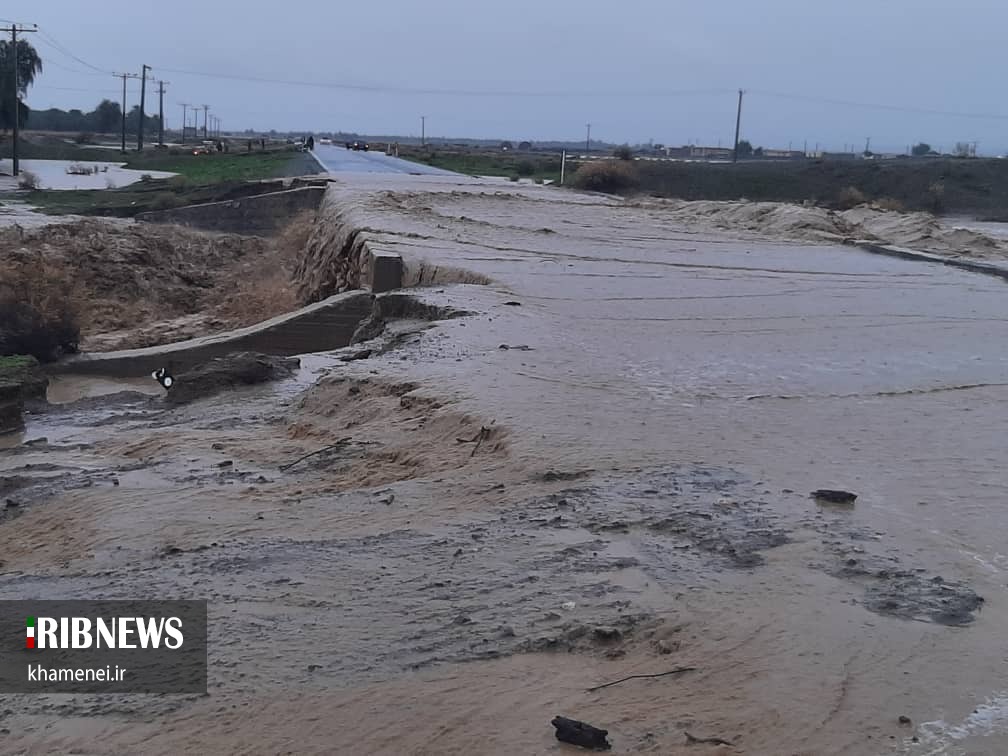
(671, 513)
(891, 587)
(912, 596)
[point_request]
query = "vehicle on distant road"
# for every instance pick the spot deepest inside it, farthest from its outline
(360, 146)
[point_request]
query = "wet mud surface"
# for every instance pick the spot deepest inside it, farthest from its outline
(443, 531)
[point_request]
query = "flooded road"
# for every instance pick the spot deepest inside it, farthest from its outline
(602, 470)
(803, 367)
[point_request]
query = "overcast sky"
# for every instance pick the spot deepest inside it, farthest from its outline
(638, 70)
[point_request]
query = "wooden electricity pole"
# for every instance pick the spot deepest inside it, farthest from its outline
(738, 126)
(143, 95)
(125, 76)
(161, 85)
(16, 92)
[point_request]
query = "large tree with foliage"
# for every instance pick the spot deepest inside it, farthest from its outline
(921, 149)
(29, 65)
(107, 117)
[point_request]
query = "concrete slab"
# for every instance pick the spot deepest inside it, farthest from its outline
(328, 324)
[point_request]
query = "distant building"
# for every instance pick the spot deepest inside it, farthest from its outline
(695, 152)
(783, 154)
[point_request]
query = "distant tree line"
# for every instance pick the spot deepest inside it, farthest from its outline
(106, 118)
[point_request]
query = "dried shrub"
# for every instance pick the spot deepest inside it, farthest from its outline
(936, 197)
(606, 176)
(166, 201)
(29, 180)
(890, 204)
(850, 197)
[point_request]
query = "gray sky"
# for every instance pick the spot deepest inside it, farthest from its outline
(569, 60)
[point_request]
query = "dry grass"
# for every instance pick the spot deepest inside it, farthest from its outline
(265, 288)
(606, 176)
(41, 308)
(138, 285)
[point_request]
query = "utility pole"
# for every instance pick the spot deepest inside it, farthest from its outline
(206, 109)
(161, 112)
(588, 139)
(124, 76)
(423, 131)
(738, 125)
(184, 105)
(143, 96)
(16, 94)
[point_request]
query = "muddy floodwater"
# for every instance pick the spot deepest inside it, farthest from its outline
(602, 470)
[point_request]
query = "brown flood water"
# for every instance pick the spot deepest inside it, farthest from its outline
(668, 400)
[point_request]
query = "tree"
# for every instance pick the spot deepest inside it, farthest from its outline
(29, 65)
(107, 117)
(133, 121)
(623, 152)
(921, 149)
(745, 149)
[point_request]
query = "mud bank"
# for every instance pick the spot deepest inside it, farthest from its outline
(919, 231)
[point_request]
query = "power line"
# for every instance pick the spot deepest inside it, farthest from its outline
(66, 52)
(391, 89)
(44, 87)
(880, 106)
(79, 72)
(451, 92)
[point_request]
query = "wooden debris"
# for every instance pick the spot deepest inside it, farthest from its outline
(341, 442)
(676, 671)
(693, 740)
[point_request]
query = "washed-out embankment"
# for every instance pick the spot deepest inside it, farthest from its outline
(340, 278)
(346, 263)
(918, 236)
